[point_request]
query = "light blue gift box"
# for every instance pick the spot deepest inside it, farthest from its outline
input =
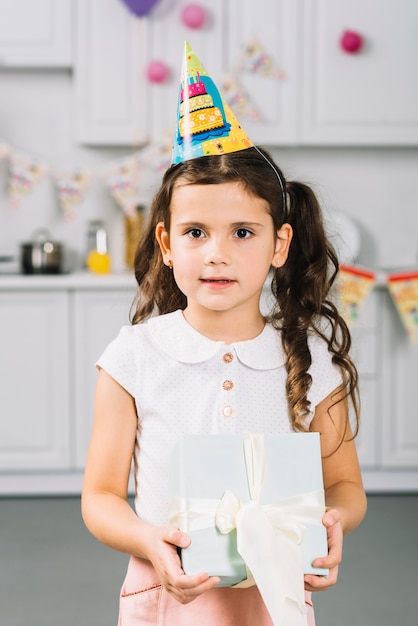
(203, 467)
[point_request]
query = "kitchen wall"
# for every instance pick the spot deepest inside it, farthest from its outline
(377, 187)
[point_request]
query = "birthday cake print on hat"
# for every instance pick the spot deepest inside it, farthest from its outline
(205, 123)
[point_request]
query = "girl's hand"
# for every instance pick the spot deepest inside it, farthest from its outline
(332, 521)
(166, 561)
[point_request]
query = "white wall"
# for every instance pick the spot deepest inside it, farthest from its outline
(378, 187)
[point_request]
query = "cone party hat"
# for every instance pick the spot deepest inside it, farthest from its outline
(205, 124)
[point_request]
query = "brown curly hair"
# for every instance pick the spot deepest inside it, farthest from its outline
(301, 287)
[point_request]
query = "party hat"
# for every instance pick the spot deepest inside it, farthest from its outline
(205, 124)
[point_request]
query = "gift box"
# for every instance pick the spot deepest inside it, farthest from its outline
(213, 477)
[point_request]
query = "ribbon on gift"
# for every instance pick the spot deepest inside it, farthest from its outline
(268, 536)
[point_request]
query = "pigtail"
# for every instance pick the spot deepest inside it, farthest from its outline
(302, 288)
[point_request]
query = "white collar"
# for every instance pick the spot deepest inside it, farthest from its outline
(180, 341)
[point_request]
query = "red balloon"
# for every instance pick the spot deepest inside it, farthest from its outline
(140, 7)
(351, 41)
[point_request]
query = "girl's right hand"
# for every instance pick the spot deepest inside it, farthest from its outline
(162, 552)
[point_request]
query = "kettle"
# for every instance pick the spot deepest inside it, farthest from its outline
(42, 255)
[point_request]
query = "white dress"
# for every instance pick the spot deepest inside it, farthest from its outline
(184, 383)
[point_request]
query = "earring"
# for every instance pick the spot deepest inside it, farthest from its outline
(170, 264)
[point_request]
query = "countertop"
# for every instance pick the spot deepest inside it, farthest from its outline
(76, 280)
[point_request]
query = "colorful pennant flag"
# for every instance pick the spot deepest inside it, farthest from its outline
(353, 284)
(238, 99)
(403, 288)
(25, 172)
(122, 179)
(256, 60)
(71, 189)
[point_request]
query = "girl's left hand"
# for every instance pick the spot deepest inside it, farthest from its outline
(332, 521)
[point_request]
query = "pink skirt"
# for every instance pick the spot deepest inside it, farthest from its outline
(144, 602)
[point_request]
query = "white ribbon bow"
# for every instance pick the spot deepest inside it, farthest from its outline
(268, 536)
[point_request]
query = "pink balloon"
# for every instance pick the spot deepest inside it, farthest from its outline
(140, 7)
(351, 41)
(157, 72)
(193, 15)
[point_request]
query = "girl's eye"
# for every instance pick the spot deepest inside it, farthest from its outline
(243, 233)
(195, 233)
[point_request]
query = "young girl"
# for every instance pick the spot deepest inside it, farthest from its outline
(200, 357)
(220, 225)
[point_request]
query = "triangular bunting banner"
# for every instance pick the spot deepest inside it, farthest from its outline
(122, 179)
(71, 189)
(353, 284)
(238, 99)
(403, 288)
(25, 172)
(256, 60)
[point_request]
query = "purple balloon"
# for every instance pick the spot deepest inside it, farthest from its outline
(140, 7)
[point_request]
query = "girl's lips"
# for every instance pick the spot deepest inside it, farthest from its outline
(217, 282)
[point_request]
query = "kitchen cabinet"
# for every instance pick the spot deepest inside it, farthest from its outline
(399, 409)
(98, 317)
(322, 96)
(35, 380)
(273, 27)
(115, 102)
(387, 364)
(36, 34)
(367, 98)
(54, 328)
(327, 96)
(109, 75)
(52, 331)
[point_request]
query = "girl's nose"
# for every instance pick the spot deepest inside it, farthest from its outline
(217, 253)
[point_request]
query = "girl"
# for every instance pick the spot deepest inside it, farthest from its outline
(201, 357)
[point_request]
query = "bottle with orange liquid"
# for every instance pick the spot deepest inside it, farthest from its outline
(98, 258)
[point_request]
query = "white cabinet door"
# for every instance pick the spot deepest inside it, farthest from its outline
(370, 97)
(36, 33)
(272, 26)
(110, 88)
(34, 380)
(368, 440)
(116, 104)
(98, 317)
(399, 407)
(324, 96)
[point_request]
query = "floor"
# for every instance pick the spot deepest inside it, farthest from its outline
(53, 573)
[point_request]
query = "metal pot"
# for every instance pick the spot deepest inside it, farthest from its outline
(42, 255)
